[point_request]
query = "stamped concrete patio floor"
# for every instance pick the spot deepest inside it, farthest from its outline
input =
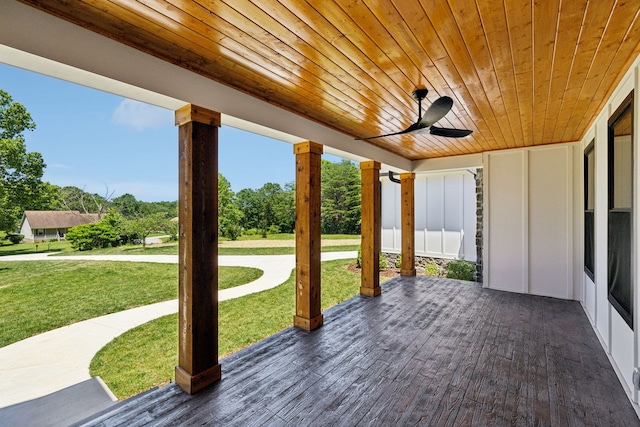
(426, 352)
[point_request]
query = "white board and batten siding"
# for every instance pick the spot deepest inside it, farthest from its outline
(619, 340)
(528, 220)
(445, 215)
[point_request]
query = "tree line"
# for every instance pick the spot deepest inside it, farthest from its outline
(269, 209)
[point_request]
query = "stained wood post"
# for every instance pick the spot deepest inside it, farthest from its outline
(370, 229)
(407, 213)
(198, 364)
(308, 305)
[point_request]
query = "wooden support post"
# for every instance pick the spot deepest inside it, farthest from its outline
(308, 166)
(370, 229)
(407, 213)
(198, 364)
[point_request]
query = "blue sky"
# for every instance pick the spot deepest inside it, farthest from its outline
(94, 140)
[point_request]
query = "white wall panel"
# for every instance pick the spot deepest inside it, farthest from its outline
(505, 238)
(435, 203)
(590, 298)
(600, 239)
(388, 240)
(420, 241)
(420, 194)
(622, 349)
(445, 212)
(390, 202)
(453, 208)
(550, 234)
(434, 242)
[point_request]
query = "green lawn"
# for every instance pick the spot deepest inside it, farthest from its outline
(291, 236)
(146, 356)
(172, 249)
(37, 296)
(64, 248)
(8, 248)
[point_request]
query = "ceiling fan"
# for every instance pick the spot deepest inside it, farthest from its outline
(425, 122)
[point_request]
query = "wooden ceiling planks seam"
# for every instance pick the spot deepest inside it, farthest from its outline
(603, 76)
(460, 60)
(591, 36)
(520, 72)
(545, 21)
(419, 23)
(286, 44)
(472, 25)
(266, 58)
(520, 35)
(566, 39)
(619, 64)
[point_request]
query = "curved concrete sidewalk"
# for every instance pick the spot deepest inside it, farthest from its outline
(53, 360)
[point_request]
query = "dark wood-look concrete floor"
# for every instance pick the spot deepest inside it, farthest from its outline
(426, 352)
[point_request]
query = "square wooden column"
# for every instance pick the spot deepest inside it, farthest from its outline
(370, 229)
(308, 168)
(198, 248)
(407, 213)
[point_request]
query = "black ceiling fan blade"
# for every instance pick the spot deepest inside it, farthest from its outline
(414, 127)
(436, 111)
(450, 133)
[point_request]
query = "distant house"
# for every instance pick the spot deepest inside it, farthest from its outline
(38, 226)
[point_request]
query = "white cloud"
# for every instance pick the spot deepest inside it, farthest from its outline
(141, 116)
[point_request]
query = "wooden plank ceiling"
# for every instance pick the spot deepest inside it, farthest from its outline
(520, 72)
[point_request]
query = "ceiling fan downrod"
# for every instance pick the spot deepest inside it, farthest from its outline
(419, 95)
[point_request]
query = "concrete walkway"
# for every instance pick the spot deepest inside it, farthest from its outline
(53, 360)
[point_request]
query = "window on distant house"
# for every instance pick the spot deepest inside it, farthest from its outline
(620, 275)
(40, 232)
(589, 207)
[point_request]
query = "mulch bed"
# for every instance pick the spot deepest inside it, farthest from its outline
(387, 272)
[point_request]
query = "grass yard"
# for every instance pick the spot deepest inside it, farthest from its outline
(8, 248)
(172, 249)
(37, 296)
(145, 357)
(291, 236)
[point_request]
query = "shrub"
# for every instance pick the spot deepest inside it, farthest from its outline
(383, 262)
(273, 229)
(461, 270)
(432, 269)
(15, 238)
(231, 231)
(89, 236)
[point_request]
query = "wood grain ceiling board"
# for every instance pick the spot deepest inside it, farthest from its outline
(520, 72)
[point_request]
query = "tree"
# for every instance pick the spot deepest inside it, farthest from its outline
(21, 186)
(229, 214)
(287, 209)
(141, 227)
(248, 202)
(127, 205)
(77, 199)
(340, 197)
